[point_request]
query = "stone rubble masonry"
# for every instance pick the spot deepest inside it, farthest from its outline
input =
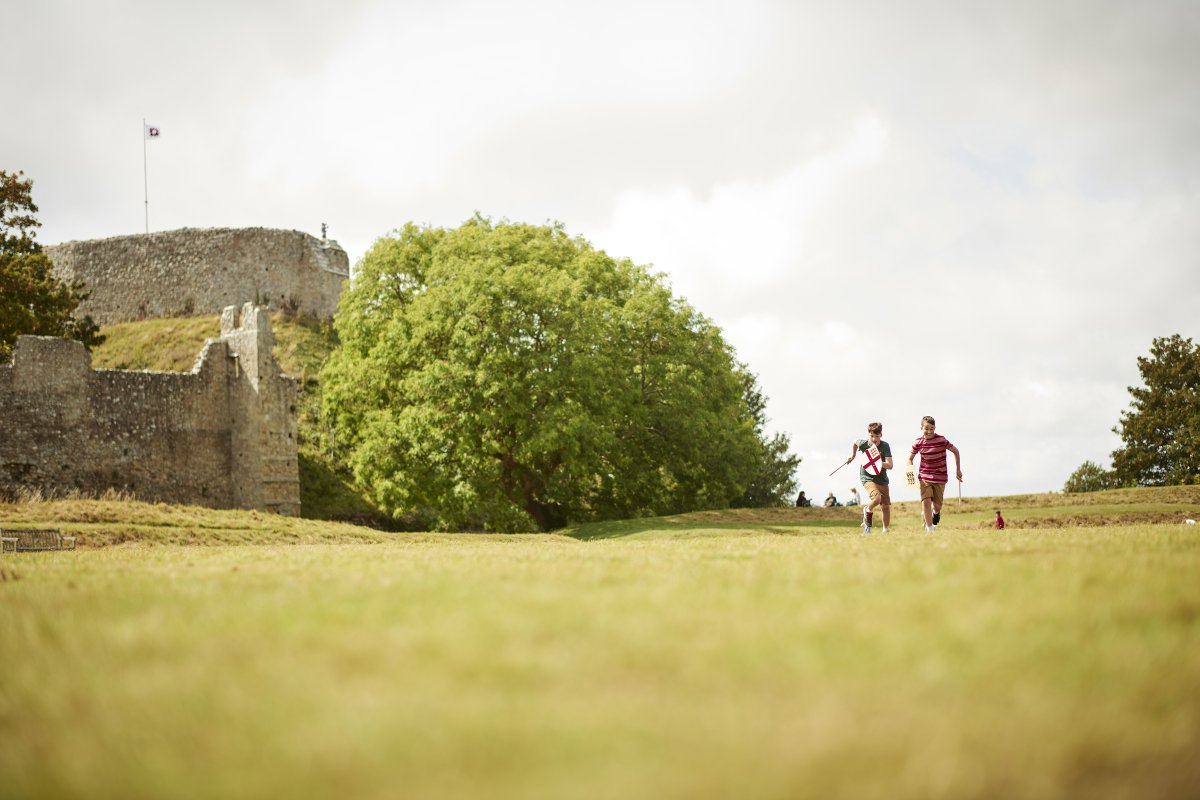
(223, 435)
(195, 271)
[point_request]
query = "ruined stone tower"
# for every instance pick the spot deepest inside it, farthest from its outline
(201, 271)
(223, 435)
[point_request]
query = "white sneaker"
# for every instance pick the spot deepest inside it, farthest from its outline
(885, 529)
(866, 529)
(928, 529)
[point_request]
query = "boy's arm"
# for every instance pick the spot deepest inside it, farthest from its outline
(853, 451)
(887, 460)
(957, 460)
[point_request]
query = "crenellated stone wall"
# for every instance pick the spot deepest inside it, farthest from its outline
(195, 271)
(223, 435)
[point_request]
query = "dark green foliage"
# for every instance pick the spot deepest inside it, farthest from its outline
(514, 376)
(32, 300)
(1161, 430)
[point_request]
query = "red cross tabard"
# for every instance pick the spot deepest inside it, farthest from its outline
(872, 461)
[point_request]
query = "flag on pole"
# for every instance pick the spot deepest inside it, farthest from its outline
(152, 131)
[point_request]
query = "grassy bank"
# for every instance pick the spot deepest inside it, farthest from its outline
(769, 654)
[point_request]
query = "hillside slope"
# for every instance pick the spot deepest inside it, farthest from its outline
(1137, 506)
(115, 519)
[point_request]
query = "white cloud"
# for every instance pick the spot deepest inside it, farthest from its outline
(741, 237)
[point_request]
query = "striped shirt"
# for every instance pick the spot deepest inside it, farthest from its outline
(933, 458)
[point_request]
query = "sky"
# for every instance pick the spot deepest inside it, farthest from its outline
(980, 211)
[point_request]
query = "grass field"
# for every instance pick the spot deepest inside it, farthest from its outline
(766, 654)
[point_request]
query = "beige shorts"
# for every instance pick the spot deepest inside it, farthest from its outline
(879, 492)
(933, 491)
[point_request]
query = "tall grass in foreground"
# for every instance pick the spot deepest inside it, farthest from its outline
(772, 661)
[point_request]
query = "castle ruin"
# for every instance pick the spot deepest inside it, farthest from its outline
(195, 271)
(223, 435)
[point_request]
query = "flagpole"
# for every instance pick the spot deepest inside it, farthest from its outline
(145, 179)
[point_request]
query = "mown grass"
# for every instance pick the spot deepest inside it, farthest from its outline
(771, 654)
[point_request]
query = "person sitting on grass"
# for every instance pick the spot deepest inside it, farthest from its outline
(831, 501)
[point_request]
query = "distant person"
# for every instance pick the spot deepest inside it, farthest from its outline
(875, 461)
(831, 501)
(853, 501)
(999, 521)
(932, 447)
(802, 501)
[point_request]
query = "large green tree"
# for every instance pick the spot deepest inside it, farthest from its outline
(32, 300)
(513, 376)
(1161, 429)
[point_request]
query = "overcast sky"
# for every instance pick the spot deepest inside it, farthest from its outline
(983, 211)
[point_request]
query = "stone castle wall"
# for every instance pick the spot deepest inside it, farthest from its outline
(223, 435)
(201, 271)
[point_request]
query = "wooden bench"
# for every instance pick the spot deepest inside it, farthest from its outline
(24, 540)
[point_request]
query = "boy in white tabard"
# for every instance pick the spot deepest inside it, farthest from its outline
(875, 461)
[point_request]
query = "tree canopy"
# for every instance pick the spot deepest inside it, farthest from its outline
(1090, 477)
(32, 300)
(1161, 429)
(512, 376)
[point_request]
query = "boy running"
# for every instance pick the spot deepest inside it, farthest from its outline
(932, 448)
(872, 471)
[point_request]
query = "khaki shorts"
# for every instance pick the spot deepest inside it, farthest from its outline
(933, 491)
(879, 492)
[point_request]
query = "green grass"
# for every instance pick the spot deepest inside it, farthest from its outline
(772, 653)
(163, 345)
(172, 345)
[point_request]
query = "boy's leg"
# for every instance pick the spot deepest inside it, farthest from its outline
(873, 492)
(885, 500)
(927, 503)
(939, 493)
(877, 495)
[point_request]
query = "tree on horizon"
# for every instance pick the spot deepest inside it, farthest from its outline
(32, 301)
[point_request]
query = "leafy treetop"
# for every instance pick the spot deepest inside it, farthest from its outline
(32, 300)
(1161, 429)
(510, 376)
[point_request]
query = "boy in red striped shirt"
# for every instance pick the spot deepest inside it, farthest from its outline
(932, 448)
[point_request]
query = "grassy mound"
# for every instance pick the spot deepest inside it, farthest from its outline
(115, 519)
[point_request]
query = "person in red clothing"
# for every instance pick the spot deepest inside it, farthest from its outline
(932, 447)
(999, 521)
